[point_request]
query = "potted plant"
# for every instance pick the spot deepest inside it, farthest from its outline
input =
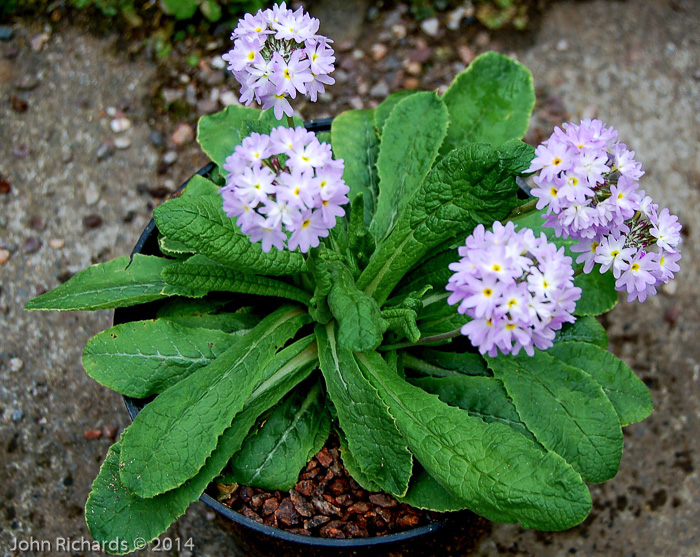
(390, 285)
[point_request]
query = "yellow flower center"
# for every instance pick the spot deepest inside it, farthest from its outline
(635, 267)
(251, 55)
(305, 224)
(488, 292)
(556, 161)
(496, 267)
(594, 245)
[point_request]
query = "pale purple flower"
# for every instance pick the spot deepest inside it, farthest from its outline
(276, 54)
(273, 195)
(592, 195)
(517, 288)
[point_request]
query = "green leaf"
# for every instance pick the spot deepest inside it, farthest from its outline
(113, 512)
(439, 317)
(494, 471)
(598, 293)
(628, 394)
(142, 358)
(471, 185)
(355, 141)
(114, 284)
(171, 438)
(211, 10)
(173, 248)
(465, 363)
(201, 224)
(181, 9)
(490, 102)
(375, 443)
(382, 112)
(435, 272)
(236, 323)
(410, 142)
(215, 278)
(219, 134)
(360, 322)
(566, 410)
(198, 185)
(272, 456)
(535, 222)
(481, 397)
(353, 467)
(584, 329)
(427, 493)
(179, 307)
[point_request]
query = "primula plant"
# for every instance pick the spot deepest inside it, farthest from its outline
(390, 281)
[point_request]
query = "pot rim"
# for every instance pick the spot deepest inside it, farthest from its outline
(132, 408)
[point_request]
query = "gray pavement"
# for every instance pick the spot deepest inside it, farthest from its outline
(635, 64)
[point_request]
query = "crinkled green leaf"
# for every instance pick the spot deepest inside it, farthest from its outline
(435, 272)
(374, 441)
(490, 102)
(438, 317)
(353, 467)
(566, 410)
(173, 248)
(382, 112)
(181, 9)
(142, 358)
(114, 284)
(201, 224)
(471, 185)
(598, 294)
(465, 363)
(219, 134)
(215, 278)
(495, 472)
(360, 323)
(481, 397)
(426, 493)
(113, 512)
(199, 185)
(171, 438)
(410, 142)
(236, 323)
(272, 456)
(355, 141)
(584, 329)
(628, 394)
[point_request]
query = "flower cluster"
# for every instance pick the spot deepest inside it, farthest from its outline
(588, 181)
(277, 54)
(285, 182)
(517, 288)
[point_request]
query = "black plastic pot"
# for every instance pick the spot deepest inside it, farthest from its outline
(452, 534)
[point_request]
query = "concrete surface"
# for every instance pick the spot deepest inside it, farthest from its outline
(635, 64)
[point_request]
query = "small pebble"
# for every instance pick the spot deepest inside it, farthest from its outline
(170, 157)
(356, 103)
(21, 150)
(92, 195)
(105, 150)
(92, 434)
(4, 256)
(379, 51)
(183, 134)
(57, 243)
(207, 106)
(454, 18)
(217, 62)
(27, 83)
(5, 187)
(399, 31)
(31, 245)
(66, 154)
(466, 54)
(172, 95)
(411, 83)
(430, 26)
(37, 223)
(17, 415)
(670, 288)
(122, 142)
(562, 45)
(414, 68)
(6, 33)
(92, 221)
(482, 39)
(39, 41)
(157, 138)
(120, 125)
(672, 314)
(380, 90)
(16, 364)
(229, 98)
(19, 105)
(11, 53)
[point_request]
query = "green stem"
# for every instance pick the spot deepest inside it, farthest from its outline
(423, 341)
(412, 362)
(290, 122)
(524, 209)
